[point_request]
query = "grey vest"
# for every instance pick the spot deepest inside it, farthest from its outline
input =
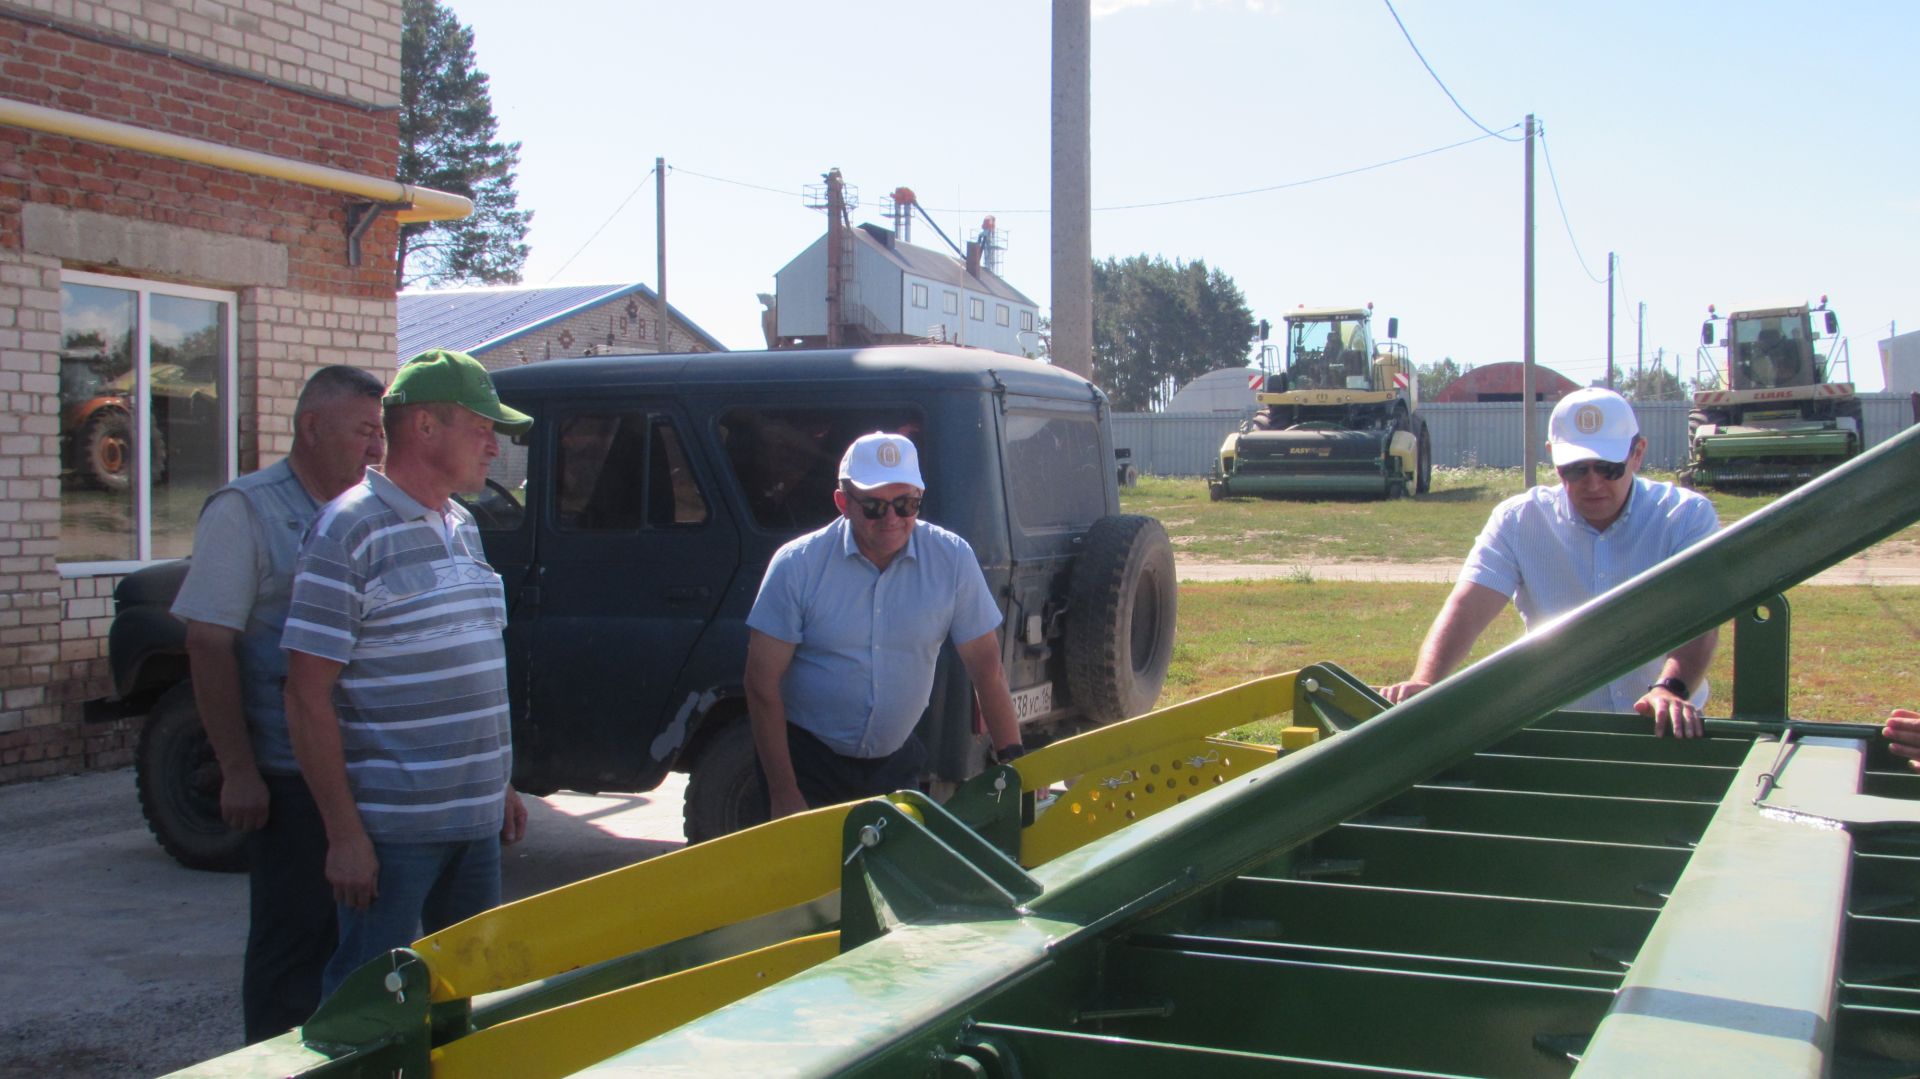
(282, 511)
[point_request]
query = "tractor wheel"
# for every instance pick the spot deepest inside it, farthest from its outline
(179, 783)
(106, 449)
(1425, 483)
(1121, 608)
(724, 790)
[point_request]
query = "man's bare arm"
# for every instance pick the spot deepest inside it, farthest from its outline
(216, 693)
(1470, 608)
(352, 867)
(981, 657)
(1672, 713)
(767, 661)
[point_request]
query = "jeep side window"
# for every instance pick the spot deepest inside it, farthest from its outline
(621, 472)
(1055, 470)
(787, 460)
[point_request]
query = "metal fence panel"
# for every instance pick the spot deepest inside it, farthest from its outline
(1484, 434)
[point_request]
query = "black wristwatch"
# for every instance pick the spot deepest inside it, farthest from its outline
(1007, 754)
(1673, 686)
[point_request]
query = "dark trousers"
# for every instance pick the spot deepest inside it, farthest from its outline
(291, 934)
(828, 778)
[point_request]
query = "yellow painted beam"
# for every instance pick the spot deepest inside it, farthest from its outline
(565, 1040)
(670, 897)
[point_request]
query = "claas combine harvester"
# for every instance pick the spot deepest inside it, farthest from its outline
(1473, 882)
(1342, 418)
(1771, 412)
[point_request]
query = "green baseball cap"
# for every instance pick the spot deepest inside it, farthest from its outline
(441, 374)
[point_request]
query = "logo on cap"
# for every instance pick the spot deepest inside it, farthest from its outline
(888, 455)
(1588, 419)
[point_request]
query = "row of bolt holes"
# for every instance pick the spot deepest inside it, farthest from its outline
(1154, 769)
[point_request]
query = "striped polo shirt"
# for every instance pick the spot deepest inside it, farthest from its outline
(403, 596)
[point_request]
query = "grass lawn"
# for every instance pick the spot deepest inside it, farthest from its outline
(1440, 525)
(1856, 651)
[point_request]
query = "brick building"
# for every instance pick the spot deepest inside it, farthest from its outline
(180, 187)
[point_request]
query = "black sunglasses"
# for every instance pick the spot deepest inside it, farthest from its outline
(1608, 470)
(876, 508)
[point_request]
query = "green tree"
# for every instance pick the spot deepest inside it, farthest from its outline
(449, 141)
(1652, 384)
(1158, 325)
(1435, 377)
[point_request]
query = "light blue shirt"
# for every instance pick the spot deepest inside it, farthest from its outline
(1539, 552)
(862, 671)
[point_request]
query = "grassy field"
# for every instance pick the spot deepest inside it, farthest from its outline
(1440, 525)
(1856, 651)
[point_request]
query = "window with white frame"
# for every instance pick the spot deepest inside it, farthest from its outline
(950, 302)
(1026, 320)
(919, 295)
(146, 416)
(1002, 314)
(977, 308)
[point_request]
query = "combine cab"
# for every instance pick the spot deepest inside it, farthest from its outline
(1343, 418)
(1770, 415)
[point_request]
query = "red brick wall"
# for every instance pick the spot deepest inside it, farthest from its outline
(53, 626)
(60, 70)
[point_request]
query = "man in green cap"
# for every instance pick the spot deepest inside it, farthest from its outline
(396, 672)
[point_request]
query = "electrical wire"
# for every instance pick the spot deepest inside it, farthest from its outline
(737, 183)
(1436, 76)
(1553, 180)
(603, 226)
(1163, 202)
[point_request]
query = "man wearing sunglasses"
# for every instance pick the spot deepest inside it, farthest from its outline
(845, 632)
(1553, 548)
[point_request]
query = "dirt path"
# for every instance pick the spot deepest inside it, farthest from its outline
(1885, 565)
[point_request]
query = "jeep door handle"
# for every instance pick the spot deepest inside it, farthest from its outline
(684, 593)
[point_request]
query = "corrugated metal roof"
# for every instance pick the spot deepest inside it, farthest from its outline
(469, 319)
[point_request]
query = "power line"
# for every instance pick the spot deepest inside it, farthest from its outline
(1436, 76)
(1554, 180)
(1300, 183)
(738, 183)
(1166, 202)
(603, 225)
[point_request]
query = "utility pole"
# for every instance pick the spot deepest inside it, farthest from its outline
(660, 246)
(1611, 258)
(1530, 430)
(1660, 363)
(1640, 353)
(1072, 345)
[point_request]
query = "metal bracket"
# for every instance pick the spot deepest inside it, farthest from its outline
(909, 859)
(379, 1018)
(361, 216)
(1338, 701)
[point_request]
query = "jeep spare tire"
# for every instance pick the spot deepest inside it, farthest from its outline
(1121, 606)
(178, 778)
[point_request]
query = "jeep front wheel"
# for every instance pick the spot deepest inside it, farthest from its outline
(1121, 608)
(178, 779)
(724, 791)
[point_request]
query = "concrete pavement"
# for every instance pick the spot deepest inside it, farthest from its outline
(120, 963)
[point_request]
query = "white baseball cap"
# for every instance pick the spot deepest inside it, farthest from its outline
(1591, 425)
(878, 459)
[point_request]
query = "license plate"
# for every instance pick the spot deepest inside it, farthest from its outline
(1033, 702)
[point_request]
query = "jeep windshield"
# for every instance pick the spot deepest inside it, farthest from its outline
(787, 460)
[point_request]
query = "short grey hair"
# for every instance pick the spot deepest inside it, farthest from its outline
(336, 382)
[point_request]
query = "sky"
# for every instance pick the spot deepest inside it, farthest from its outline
(1729, 151)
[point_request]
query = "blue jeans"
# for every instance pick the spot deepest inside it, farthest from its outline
(423, 888)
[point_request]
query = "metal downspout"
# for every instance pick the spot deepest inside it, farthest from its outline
(417, 203)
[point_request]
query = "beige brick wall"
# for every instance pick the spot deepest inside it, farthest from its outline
(287, 336)
(345, 48)
(624, 325)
